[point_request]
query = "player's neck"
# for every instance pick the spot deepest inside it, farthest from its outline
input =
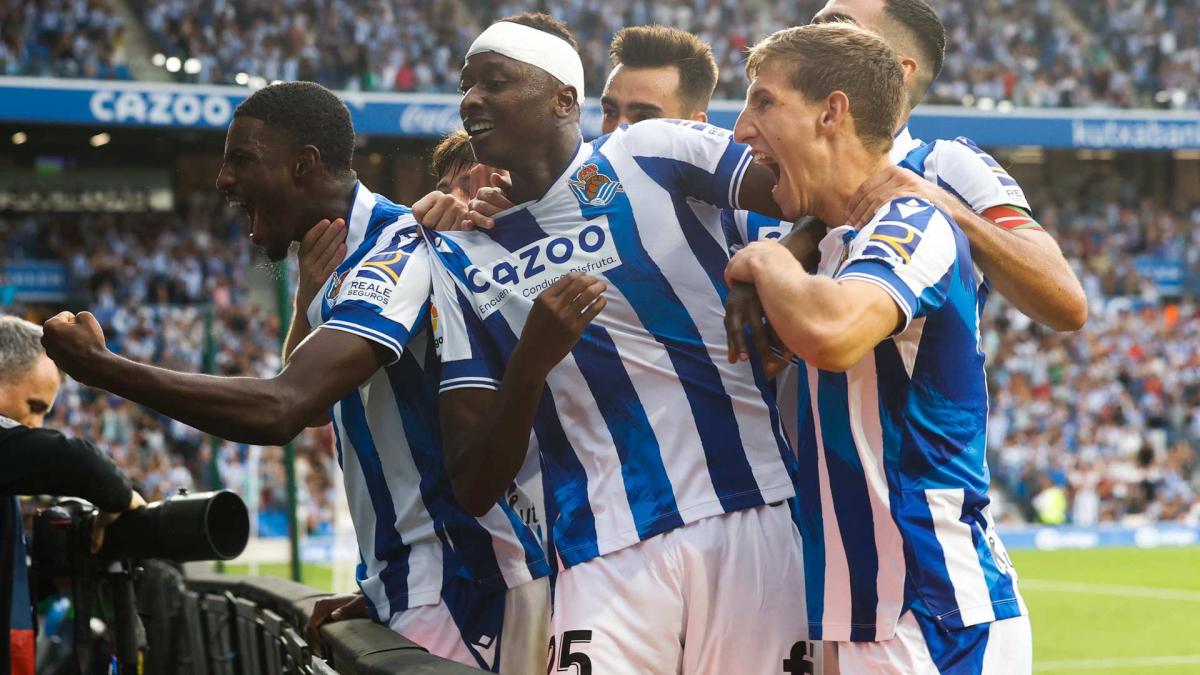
(331, 198)
(853, 169)
(533, 174)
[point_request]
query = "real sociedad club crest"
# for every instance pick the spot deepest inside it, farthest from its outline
(594, 188)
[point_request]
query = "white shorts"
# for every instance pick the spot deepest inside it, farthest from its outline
(720, 596)
(919, 647)
(500, 632)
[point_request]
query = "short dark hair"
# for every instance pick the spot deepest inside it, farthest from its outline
(925, 29)
(662, 46)
(453, 153)
(310, 115)
(545, 23)
(823, 58)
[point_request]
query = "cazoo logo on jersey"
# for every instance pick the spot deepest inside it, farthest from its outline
(529, 271)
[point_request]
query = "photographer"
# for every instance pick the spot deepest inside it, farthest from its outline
(39, 461)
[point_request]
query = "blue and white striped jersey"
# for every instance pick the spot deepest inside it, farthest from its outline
(645, 426)
(957, 166)
(411, 532)
(893, 480)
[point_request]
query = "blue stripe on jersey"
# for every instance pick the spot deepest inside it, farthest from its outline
(664, 316)
(469, 550)
(957, 652)
(1001, 588)
(516, 230)
(808, 498)
(709, 252)
(851, 502)
(389, 546)
(655, 509)
(925, 559)
(915, 160)
(729, 226)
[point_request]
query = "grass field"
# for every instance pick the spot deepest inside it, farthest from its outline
(1098, 611)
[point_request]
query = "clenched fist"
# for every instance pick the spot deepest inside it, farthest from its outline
(75, 342)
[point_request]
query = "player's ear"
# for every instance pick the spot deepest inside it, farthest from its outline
(566, 102)
(910, 66)
(835, 113)
(307, 162)
(700, 116)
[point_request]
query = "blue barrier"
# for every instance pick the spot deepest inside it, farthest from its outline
(181, 106)
(1047, 538)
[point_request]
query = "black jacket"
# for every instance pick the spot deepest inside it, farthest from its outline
(35, 462)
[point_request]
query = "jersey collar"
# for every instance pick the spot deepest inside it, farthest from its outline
(902, 144)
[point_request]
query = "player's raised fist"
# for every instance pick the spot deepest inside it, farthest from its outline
(74, 342)
(559, 316)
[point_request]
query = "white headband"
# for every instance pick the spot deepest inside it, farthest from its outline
(535, 47)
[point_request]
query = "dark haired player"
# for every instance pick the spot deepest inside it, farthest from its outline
(465, 588)
(665, 470)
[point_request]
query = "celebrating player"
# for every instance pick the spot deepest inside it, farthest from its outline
(911, 576)
(666, 474)
(1016, 255)
(465, 588)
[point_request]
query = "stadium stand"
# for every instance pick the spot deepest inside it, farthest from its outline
(62, 38)
(1021, 52)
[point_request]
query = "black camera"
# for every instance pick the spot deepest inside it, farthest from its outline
(181, 528)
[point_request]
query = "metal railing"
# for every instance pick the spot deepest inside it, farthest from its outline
(199, 622)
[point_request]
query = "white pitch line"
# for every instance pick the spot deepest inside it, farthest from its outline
(1106, 589)
(1130, 662)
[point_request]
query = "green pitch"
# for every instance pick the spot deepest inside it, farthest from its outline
(1101, 611)
(1113, 610)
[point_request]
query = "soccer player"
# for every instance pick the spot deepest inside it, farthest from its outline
(657, 72)
(467, 588)
(1014, 253)
(912, 576)
(591, 315)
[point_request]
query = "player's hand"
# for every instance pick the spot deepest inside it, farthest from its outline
(321, 251)
(490, 198)
(332, 610)
(892, 182)
(763, 254)
(440, 211)
(103, 520)
(744, 314)
(558, 318)
(75, 342)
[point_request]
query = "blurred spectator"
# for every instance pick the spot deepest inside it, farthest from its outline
(1027, 52)
(62, 38)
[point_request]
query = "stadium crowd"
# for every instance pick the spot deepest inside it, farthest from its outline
(151, 279)
(1108, 418)
(1027, 52)
(62, 38)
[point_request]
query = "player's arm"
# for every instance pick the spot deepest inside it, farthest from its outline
(830, 324)
(485, 432)
(263, 411)
(321, 251)
(1021, 260)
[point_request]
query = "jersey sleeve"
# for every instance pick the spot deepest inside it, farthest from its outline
(469, 358)
(385, 297)
(972, 175)
(909, 250)
(694, 159)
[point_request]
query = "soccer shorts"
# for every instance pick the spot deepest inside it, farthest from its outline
(1003, 647)
(719, 596)
(500, 631)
